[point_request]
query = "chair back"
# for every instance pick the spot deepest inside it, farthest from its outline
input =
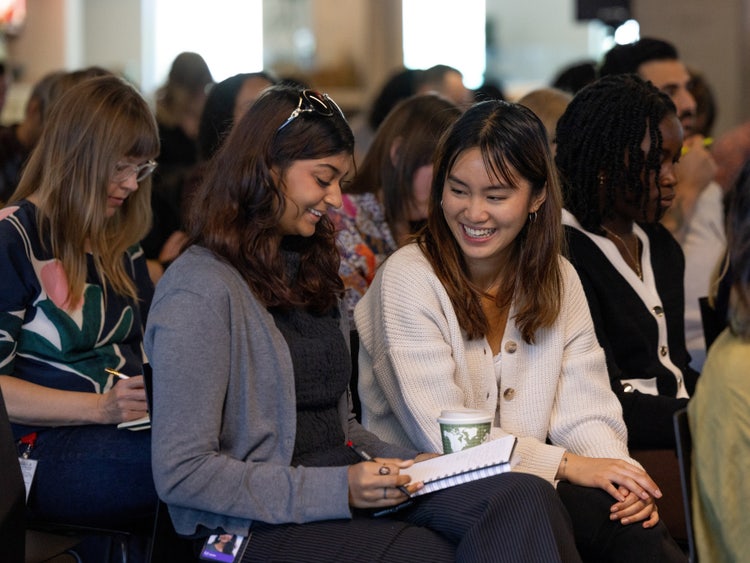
(711, 321)
(684, 452)
(166, 544)
(12, 494)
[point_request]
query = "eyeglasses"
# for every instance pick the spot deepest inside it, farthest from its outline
(123, 172)
(312, 101)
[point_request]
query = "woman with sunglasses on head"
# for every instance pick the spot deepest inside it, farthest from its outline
(247, 339)
(481, 312)
(74, 292)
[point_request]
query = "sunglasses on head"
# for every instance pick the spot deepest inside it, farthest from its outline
(312, 101)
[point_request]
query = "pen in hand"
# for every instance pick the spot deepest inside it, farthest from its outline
(116, 373)
(706, 142)
(367, 457)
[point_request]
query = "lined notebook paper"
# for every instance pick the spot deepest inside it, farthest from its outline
(485, 460)
(143, 423)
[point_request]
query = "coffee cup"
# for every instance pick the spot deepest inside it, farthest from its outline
(464, 428)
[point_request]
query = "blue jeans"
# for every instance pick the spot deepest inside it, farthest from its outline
(93, 475)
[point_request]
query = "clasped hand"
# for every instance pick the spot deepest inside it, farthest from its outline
(630, 485)
(125, 401)
(375, 484)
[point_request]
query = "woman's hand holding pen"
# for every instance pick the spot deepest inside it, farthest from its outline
(379, 483)
(123, 402)
(631, 486)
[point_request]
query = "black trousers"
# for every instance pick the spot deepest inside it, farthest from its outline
(510, 517)
(600, 539)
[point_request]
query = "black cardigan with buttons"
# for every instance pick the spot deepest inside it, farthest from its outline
(627, 330)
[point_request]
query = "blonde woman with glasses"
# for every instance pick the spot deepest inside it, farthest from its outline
(74, 292)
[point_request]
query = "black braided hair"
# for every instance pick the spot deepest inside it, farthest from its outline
(599, 145)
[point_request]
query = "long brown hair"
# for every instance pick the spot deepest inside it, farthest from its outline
(90, 128)
(416, 123)
(508, 136)
(237, 208)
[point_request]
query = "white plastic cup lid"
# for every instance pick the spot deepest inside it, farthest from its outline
(464, 416)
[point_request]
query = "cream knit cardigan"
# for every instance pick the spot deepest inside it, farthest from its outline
(415, 361)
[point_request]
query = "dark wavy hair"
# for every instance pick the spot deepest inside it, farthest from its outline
(238, 205)
(218, 114)
(508, 136)
(599, 145)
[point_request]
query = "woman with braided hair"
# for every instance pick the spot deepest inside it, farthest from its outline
(617, 144)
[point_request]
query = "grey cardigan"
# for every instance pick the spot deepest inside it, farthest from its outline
(224, 419)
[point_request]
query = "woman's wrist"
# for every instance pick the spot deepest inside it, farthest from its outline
(562, 468)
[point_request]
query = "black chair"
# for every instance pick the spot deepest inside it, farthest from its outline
(354, 380)
(55, 533)
(711, 321)
(33, 540)
(12, 495)
(52, 534)
(166, 543)
(684, 452)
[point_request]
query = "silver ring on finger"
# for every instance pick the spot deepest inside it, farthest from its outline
(384, 470)
(385, 492)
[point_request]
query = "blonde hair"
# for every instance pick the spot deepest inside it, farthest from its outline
(90, 128)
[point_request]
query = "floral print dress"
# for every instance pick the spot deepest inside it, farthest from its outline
(364, 240)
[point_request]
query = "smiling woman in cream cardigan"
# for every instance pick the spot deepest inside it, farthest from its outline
(483, 313)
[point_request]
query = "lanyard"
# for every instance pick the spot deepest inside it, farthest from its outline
(29, 440)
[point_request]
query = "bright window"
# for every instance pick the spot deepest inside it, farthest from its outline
(228, 34)
(446, 32)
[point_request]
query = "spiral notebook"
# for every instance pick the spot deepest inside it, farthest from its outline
(485, 460)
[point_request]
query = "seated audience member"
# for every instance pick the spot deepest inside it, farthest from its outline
(696, 214)
(489, 90)
(400, 85)
(179, 104)
(731, 150)
(18, 140)
(630, 265)
(548, 104)
(226, 103)
(575, 76)
(387, 200)
(251, 367)
(483, 313)
(73, 298)
(6, 80)
(705, 105)
(447, 82)
(718, 411)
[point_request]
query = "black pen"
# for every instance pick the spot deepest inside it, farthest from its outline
(367, 457)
